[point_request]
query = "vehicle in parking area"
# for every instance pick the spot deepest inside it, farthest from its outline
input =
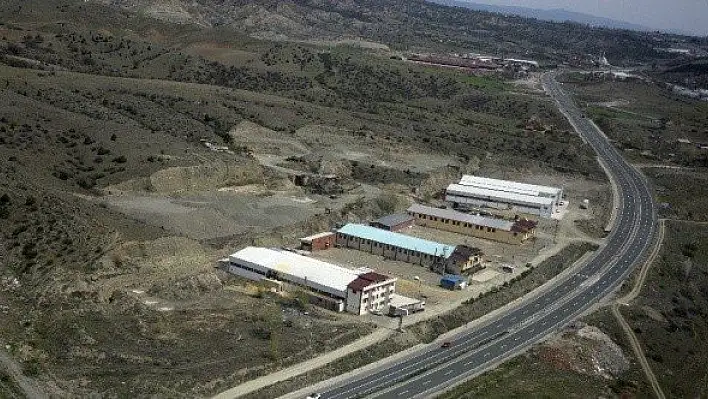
(446, 344)
(314, 396)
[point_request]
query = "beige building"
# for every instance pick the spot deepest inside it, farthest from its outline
(510, 232)
(370, 292)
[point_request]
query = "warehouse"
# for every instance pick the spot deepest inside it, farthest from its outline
(513, 187)
(510, 232)
(468, 197)
(481, 192)
(392, 245)
(395, 222)
(335, 285)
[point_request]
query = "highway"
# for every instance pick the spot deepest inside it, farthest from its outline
(434, 369)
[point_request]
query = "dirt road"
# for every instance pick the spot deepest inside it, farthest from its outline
(12, 368)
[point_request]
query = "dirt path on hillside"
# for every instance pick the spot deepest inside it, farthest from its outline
(29, 388)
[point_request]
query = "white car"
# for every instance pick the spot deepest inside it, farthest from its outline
(314, 396)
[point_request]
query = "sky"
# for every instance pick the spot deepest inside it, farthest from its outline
(683, 15)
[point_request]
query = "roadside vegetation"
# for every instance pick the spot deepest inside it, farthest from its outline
(8, 388)
(670, 315)
(645, 120)
(681, 193)
(564, 366)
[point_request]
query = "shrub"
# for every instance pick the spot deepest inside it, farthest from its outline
(120, 159)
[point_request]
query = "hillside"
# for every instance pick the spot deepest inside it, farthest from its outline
(143, 141)
(406, 25)
(555, 15)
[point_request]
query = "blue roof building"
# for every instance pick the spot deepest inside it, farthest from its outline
(392, 245)
(453, 281)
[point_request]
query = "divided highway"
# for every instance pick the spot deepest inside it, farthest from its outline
(475, 350)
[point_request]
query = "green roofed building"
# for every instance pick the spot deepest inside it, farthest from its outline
(392, 245)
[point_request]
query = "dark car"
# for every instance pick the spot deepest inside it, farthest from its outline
(446, 344)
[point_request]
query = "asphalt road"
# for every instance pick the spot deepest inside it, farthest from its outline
(434, 369)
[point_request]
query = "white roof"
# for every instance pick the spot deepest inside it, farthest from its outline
(316, 236)
(508, 186)
(297, 269)
(498, 196)
(397, 301)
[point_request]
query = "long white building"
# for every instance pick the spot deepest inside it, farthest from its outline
(357, 291)
(482, 192)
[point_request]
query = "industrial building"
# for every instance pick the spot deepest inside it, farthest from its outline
(482, 192)
(392, 245)
(510, 232)
(318, 242)
(395, 222)
(335, 287)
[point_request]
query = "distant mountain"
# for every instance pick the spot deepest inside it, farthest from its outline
(555, 15)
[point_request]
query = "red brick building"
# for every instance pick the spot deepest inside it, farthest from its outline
(318, 241)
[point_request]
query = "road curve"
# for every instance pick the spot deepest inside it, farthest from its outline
(433, 369)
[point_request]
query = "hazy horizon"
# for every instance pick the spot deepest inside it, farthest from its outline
(690, 16)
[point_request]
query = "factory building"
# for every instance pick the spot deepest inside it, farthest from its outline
(333, 286)
(482, 192)
(510, 232)
(392, 245)
(395, 222)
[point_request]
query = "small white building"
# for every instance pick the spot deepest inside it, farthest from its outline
(357, 291)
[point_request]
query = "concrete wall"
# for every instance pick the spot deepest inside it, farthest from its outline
(470, 229)
(234, 269)
(354, 304)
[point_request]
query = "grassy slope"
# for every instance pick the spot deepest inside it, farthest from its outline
(670, 317)
(651, 119)
(530, 376)
(683, 190)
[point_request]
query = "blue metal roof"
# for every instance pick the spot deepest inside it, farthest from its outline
(453, 278)
(397, 239)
